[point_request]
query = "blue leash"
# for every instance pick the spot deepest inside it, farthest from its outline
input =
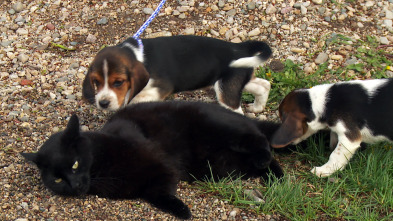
(147, 22)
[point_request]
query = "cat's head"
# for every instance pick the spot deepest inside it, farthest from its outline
(64, 161)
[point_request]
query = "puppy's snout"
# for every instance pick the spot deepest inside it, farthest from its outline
(104, 103)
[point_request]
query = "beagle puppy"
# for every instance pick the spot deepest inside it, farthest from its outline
(354, 111)
(165, 65)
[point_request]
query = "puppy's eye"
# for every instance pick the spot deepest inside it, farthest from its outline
(118, 83)
(75, 166)
(58, 180)
(96, 82)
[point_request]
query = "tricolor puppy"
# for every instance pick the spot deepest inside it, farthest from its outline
(167, 65)
(355, 111)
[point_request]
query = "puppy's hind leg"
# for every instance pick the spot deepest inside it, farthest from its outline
(260, 89)
(229, 88)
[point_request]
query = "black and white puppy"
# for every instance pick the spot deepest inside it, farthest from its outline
(355, 111)
(167, 65)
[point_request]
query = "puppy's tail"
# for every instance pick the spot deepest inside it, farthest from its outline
(259, 50)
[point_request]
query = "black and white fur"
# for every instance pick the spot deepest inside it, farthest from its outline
(355, 111)
(175, 64)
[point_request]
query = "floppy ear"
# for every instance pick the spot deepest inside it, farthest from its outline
(290, 129)
(138, 79)
(30, 157)
(71, 133)
(88, 90)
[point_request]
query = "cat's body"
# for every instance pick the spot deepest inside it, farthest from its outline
(145, 149)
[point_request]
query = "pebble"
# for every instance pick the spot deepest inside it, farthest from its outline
(318, 2)
(22, 31)
(384, 40)
(102, 21)
(270, 9)
(189, 31)
(148, 11)
(18, 7)
(298, 50)
(337, 57)
(254, 32)
(321, 58)
(23, 58)
(251, 5)
(91, 38)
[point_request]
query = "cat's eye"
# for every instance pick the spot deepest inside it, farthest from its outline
(75, 166)
(58, 180)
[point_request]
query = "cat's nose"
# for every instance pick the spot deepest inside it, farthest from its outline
(104, 103)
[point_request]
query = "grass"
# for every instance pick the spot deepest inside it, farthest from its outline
(363, 190)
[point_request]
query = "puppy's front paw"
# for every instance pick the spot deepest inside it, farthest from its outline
(322, 171)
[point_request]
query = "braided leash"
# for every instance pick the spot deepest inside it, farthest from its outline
(147, 22)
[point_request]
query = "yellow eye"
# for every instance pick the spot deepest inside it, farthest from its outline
(58, 180)
(75, 166)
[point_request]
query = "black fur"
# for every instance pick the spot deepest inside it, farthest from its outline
(145, 149)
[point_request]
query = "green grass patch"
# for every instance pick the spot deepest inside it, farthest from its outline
(362, 191)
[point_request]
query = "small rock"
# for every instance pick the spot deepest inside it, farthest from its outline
(23, 58)
(270, 9)
(148, 11)
(337, 57)
(276, 65)
(318, 2)
(286, 10)
(91, 38)
(251, 5)
(102, 21)
(24, 82)
(384, 40)
(189, 31)
(298, 50)
(50, 26)
(285, 27)
(40, 119)
(254, 32)
(369, 4)
(22, 31)
(321, 58)
(234, 212)
(18, 7)
(303, 10)
(231, 12)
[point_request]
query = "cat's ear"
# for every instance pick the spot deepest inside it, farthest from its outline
(30, 157)
(72, 130)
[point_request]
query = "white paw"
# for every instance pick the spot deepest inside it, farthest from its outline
(323, 171)
(254, 108)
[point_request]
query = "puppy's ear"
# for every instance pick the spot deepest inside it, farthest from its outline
(72, 132)
(290, 129)
(88, 90)
(138, 79)
(30, 157)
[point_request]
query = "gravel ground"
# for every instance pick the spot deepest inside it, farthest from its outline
(40, 85)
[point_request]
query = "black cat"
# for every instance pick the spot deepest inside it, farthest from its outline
(145, 149)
